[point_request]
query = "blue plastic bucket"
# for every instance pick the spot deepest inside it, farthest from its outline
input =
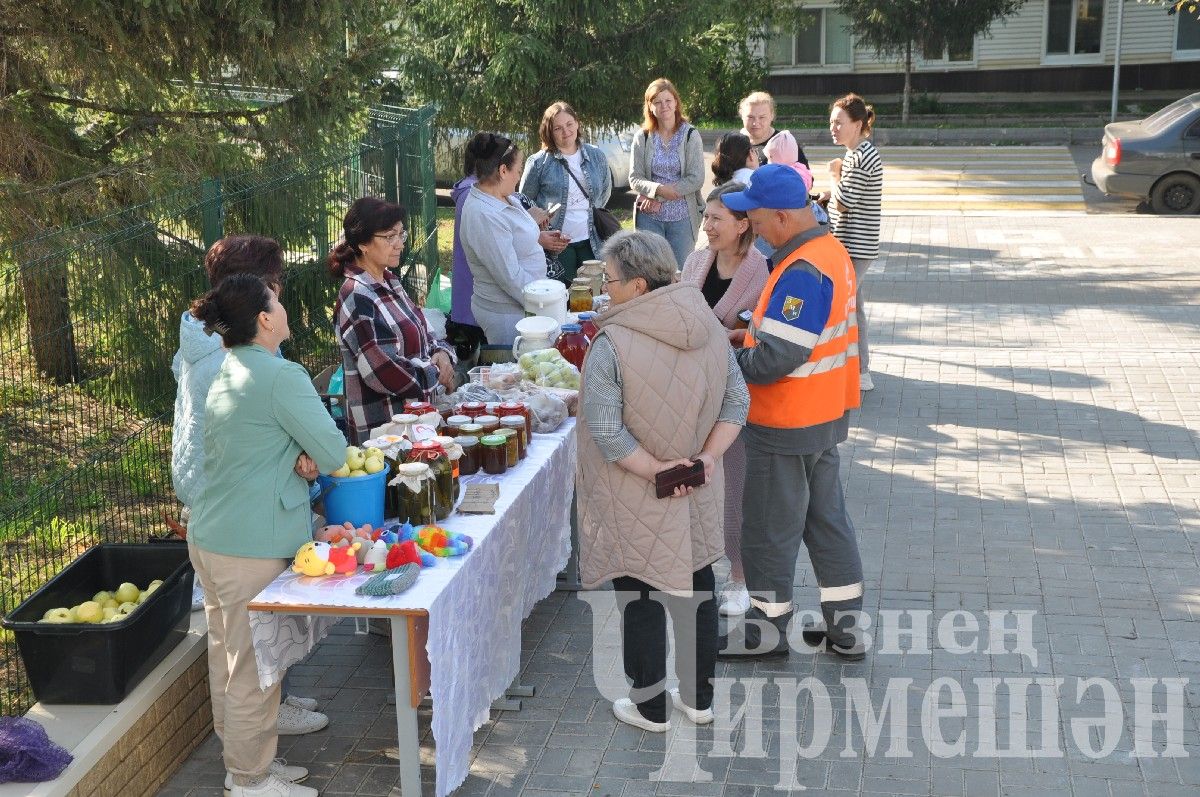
(358, 500)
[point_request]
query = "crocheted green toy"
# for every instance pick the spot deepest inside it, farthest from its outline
(390, 582)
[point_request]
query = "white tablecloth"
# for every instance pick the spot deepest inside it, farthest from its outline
(476, 603)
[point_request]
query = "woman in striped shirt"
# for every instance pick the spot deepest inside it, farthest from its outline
(855, 199)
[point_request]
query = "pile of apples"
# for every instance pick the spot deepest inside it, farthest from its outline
(105, 606)
(360, 462)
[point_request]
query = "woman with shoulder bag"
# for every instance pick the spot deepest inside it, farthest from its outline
(573, 177)
(666, 169)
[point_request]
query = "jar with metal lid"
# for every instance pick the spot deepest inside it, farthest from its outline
(512, 446)
(468, 463)
(454, 424)
(587, 325)
(413, 486)
(490, 423)
(579, 298)
(495, 454)
(433, 455)
(470, 430)
(572, 344)
(517, 423)
(522, 409)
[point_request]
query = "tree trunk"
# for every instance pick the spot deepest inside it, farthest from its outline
(51, 336)
(907, 82)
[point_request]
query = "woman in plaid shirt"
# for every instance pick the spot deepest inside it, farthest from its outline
(389, 353)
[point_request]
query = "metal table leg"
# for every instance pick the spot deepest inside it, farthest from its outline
(568, 579)
(406, 714)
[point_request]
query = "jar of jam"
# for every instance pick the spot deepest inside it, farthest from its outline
(518, 408)
(587, 325)
(512, 446)
(518, 423)
(434, 456)
(490, 423)
(472, 409)
(579, 298)
(413, 488)
(470, 430)
(495, 454)
(468, 463)
(572, 344)
(454, 424)
(418, 407)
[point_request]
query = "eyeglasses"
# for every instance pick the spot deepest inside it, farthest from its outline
(605, 279)
(394, 238)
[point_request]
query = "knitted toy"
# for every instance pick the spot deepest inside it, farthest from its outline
(390, 582)
(322, 559)
(405, 552)
(376, 558)
(444, 543)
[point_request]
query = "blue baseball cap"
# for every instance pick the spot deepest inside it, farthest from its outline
(776, 186)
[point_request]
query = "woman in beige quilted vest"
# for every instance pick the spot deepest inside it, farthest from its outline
(660, 388)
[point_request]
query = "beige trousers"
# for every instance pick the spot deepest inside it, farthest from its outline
(244, 716)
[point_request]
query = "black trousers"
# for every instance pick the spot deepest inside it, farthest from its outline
(644, 636)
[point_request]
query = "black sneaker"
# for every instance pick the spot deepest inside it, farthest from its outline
(749, 646)
(815, 637)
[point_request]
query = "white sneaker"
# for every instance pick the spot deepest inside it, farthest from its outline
(306, 703)
(864, 381)
(694, 714)
(296, 721)
(627, 712)
(273, 786)
(735, 600)
(280, 769)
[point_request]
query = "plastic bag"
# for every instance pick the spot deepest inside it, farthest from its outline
(438, 297)
(504, 377)
(26, 753)
(549, 412)
(548, 368)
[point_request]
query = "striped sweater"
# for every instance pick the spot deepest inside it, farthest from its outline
(861, 191)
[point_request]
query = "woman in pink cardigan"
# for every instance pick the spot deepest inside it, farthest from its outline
(731, 274)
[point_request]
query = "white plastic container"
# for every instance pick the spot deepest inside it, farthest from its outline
(534, 333)
(546, 298)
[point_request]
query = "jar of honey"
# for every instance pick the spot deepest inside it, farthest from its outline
(454, 424)
(490, 423)
(468, 463)
(512, 446)
(518, 423)
(470, 430)
(495, 454)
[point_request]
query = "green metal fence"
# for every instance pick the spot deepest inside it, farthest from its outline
(89, 321)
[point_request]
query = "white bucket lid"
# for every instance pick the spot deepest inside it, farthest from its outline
(537, 326)
(545, 290)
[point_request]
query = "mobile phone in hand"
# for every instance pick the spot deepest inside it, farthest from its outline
(557, 206)
(665, 481)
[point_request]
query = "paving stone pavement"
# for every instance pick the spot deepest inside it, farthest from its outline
(1032, 445)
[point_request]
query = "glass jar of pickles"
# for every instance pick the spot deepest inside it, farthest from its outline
(434, 456)
(517, 423)
(494, 458)
(579, 298)
(490, 423)
(512, 446)
(454, 454)
(468, 463)
(412, 489)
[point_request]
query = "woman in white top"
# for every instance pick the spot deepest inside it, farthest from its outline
(500, 239)
(855, 201)
(575, 177)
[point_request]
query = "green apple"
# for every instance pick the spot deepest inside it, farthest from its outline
(373, 464)
(341, 472)
(127, 593)
(116, 618)
(111, 603)
(355, 457)
(59, 615)
(89, 612)
(101, 597)
(109, 613)
(147, 592)
(155, 584)
(372, 451)
(354, 474)
(129, 607)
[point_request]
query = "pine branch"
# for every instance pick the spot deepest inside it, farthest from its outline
(77, 102)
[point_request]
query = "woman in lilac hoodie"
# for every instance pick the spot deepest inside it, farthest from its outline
(461, 329)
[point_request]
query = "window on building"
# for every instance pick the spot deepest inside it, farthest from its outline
(1074, 27)
(821, 38)
(1187, 34)
(949, 51)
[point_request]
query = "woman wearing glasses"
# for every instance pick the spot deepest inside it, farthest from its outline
(389, 352)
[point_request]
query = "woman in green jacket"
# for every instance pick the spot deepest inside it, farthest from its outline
(261, 415)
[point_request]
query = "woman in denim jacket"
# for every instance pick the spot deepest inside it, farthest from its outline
(546, 182)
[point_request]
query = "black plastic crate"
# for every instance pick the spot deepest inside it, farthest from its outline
(101, 664)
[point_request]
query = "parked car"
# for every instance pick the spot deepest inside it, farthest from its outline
(1156, 158)
(615, 144)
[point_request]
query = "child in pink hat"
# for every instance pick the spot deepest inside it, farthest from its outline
(782, 148)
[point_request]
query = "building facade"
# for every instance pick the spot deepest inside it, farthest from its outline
(1046, 46)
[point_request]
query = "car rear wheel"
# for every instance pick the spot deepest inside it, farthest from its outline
(1176, 194)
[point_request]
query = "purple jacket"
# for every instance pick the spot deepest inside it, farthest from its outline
(462, 283)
